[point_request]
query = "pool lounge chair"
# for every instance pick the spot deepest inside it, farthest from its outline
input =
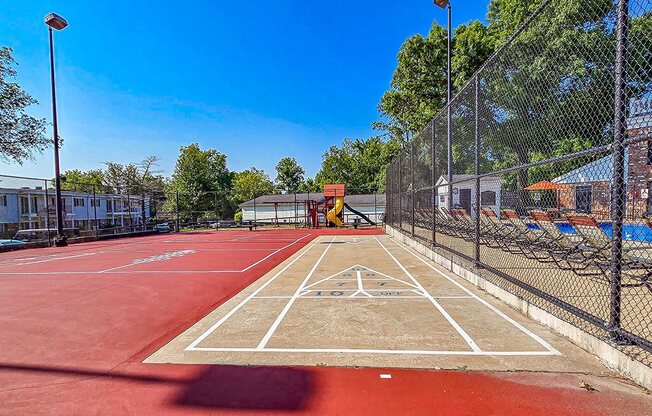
(507, 238)
(453, 225)
(636, 255)
(534, 243)
(570, 252)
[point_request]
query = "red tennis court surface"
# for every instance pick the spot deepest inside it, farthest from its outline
(77, 322)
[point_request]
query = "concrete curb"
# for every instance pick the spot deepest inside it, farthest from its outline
(609, 355)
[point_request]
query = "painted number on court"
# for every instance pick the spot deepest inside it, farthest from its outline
(331, 293)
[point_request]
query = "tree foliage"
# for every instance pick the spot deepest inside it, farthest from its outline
(289, 175)
(418, 89)
(553, 85)
(202, 183)
(84, 181)
(251, 183)
(21, 135)
(359, 164)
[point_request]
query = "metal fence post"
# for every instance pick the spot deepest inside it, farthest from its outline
(433, 181)
(412, 185)
(95, 211)
(177, 211)
(131, 218)
(47, 211)
(217, 215)
(618, 183)
(375, 208)
(400, 195)
(255, 215)
(477, 171)
(309, 223)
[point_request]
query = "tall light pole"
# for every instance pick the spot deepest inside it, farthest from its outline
(445, 4)
(54, 21)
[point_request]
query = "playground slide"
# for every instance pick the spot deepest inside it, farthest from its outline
(359, 214)
(332, 214)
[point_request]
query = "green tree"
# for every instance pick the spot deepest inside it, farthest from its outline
(472, 46)
(418, 89)
(557, 74)
(309, 185)
(140, 178)
(84, 181)
(359, 164)
(249, 184)
(202, 182)
(20, 134)
(289, 175)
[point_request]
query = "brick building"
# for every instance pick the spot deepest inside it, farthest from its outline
(588, 188)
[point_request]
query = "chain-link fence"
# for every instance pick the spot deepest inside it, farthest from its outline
(28, 209)
(543, 182)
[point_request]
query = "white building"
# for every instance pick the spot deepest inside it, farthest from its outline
(27, 208)
(464, 192)
(294, 208)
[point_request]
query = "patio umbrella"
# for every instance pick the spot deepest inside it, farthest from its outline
(546, 186)
(543, 186)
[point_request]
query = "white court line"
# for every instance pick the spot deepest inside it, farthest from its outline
(54, 259)
(285, 310)
(117, 272)
(274, 252)
(193, 345)
(367, 269)
(371, 351)
(449, 318)
(360, 286)
(534, 336)
(244, 237)
(223, 271)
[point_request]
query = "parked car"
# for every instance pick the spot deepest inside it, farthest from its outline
(163, 227)
(224, 224)
(43, 234)
(10, 242)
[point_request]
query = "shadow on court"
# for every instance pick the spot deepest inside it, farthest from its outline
(217, 387)
(264, 388)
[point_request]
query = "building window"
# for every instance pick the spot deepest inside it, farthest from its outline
(78, 202)
(488, 198)
(109, 205)
(3, 200)
(24, 205)
(35, 204)
(584, 198)
(649, 152)
(95, 203)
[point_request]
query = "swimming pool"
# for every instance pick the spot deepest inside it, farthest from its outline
(634, 232)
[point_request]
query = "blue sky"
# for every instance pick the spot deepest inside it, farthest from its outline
(256, 80)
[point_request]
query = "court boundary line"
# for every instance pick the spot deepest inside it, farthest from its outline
(225, 271)
(295, 296)
(372, 351)
(497, 311)
(262, 345)
(116, 270)
(437, 305)
(332, 277)
(200, 338)
(26, 261)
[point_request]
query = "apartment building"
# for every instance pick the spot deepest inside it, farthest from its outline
(28, 208)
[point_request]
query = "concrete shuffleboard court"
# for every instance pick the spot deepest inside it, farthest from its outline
(369, 301)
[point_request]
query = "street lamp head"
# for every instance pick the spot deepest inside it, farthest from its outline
(441, 3)
(55, 21)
